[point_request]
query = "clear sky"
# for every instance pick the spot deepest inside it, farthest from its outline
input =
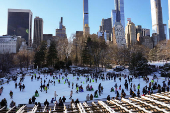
(72, 12)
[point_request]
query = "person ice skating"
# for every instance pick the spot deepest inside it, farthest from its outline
(77, 101)
(112, 89)
(60, 103)
(33, 99)
(72, 85)
(64, 99)
(72, 101)
(30, 102)
(138, 93)
(0, 91)
(23, 87)
(39, 106)
(36, 93)
(52, 100)
(11, 94)
(46, 89)
(71, 93)
(108, 97)
(77, 88)
(91, 97)
(55, 95)
(100, 91)
(152, 81)
(133, 95)
(120, 87)
(12, 104)
(138, 86)
(134, 87)
(117, 94)
(95, 94)
(20, 87)
(116, 85)
(15, 85)
(87, 97)
(87, 87)
(102, 88)
(46, 103)
(4, 103)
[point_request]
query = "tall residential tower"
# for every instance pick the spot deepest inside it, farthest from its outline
(20, 24)
(117, 15)
(169, 17)
(86, 29)
(38, 32)
(157, 20)
(61, 32)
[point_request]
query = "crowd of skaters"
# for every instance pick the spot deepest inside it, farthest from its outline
(153, 84)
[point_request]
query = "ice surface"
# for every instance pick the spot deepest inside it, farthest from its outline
(63, 90)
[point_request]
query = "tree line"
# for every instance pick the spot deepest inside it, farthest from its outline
(84, 51)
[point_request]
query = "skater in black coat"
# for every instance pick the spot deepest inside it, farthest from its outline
(108, 97)
(64, 99)
(46, 103)
(77, 101)
(33, 99)
(20, 87)
(30, 102)
(15, 85)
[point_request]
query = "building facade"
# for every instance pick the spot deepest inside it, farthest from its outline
(86, 28)
(130, 34)
(119, 35)
(146, 41)
(10, 44)
(61, 32)
(117, 15)
(155, 38)
(104, 36)
(20, 24)
(169, 17)
(145, 32)
(106, 26)
(38, 32)
(157, 20)
(85, 13)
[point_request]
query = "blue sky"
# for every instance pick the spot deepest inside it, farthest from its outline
(72, 12)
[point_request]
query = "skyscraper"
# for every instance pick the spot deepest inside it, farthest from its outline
(20, 24)
(106, 26)
(157, 21)
(130, 34)
(117, 15)
(169, 17)
(119, 35)
(61, 32)
(86, 28)
(85, 13)
(38, 31)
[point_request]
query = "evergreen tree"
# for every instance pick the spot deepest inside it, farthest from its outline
(39, 58)
(87, 59)
(52, 55)
(138, 63)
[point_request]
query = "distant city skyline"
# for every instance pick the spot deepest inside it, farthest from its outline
(71, 11)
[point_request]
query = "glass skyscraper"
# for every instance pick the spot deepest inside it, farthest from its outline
(85, 13)
(20, 24)
(117, 15)
(122, 17)
(157, 21)
(113, 17)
